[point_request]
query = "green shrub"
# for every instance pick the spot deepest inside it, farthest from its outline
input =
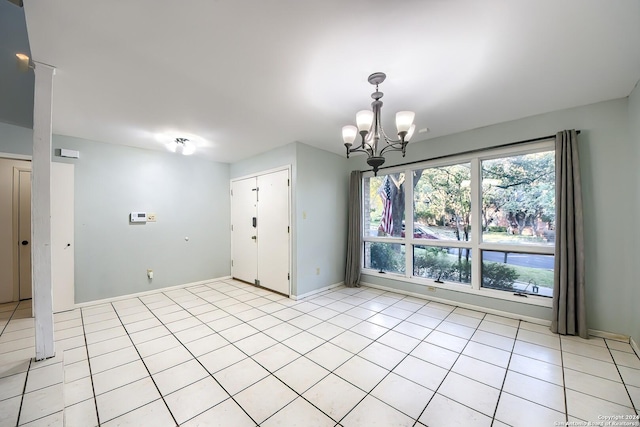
(437, 264)
(497, 229)
(384, 257)
(496, 275)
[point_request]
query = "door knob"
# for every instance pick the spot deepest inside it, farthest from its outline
(25, 243)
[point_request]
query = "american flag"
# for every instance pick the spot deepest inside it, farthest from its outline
(386, 222)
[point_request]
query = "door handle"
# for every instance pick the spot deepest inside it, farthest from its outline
(254, 222)
(25, 243)
(254, 237)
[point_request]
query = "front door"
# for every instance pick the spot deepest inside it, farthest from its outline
(273, 231)
(244, 233)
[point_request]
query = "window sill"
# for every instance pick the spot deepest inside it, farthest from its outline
(463, 288)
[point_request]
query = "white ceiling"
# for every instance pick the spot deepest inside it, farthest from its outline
(248, 76)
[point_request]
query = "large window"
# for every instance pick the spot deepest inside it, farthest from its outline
(482, 223)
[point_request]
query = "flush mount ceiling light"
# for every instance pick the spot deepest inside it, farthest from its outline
(371, 132)
(23, 62)
(182, 146)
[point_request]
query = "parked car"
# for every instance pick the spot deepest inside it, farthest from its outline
(421, 232)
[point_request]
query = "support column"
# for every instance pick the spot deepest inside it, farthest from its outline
(41, 211)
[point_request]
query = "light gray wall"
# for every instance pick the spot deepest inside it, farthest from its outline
(15, 139)
(321, 215)
(634, 128)
(189, 196)
(282, 156)
(609, 172)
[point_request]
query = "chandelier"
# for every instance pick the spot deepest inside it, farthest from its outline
(371, 131)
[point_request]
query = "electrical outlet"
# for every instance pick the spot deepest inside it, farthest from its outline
(318, 271)
(150, 273)
(431, 288)
(151, 217)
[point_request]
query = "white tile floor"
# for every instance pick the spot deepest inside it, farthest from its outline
(230, 354)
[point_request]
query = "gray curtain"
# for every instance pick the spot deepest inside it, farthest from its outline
(569, 311)
(354, 230)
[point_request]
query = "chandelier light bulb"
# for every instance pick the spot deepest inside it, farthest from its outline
(364, 119)
(404, 120)
(349, 134)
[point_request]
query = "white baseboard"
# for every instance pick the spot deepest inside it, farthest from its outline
(316, 291)
(529, 319)
(634, 346)
(153, 291)
(609, 335)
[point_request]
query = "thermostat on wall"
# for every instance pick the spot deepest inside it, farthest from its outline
(138, 217)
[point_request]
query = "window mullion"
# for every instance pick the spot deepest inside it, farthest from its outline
(476, 223)
(408, 223)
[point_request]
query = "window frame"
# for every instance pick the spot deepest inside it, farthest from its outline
(475, 244)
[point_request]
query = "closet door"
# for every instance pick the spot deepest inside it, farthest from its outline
(244, 235)
(273, 231)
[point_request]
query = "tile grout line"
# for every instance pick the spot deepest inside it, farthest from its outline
(13, 312)
(273, 373)
(506, 372)
(322, 321)
(194, 358)
(24, 389)
(449, 371)
(86, 347)
(265, 368)
(407, 354)
(633, 406)
(145, 366)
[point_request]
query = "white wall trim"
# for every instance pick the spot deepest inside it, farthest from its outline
(153, 291)
(608, 335)
(529, 319)
(635, 346)
(316, 291)
(15, 156)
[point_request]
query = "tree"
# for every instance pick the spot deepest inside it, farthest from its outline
(520, 189)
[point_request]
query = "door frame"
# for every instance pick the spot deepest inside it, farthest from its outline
(16, 284)
(14, 225)
(288, 168)
(16, 232)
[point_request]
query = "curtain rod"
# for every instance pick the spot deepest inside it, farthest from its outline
(508, 144)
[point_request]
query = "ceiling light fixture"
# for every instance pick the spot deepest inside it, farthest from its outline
(181, 145)
(370, 129)
(24, 62)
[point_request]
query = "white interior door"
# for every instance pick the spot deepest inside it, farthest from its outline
(244, 235)
(62, 236)
(273, 231)
(23, 184)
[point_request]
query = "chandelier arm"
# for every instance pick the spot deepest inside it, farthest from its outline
(388, 140)
(398, 146)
